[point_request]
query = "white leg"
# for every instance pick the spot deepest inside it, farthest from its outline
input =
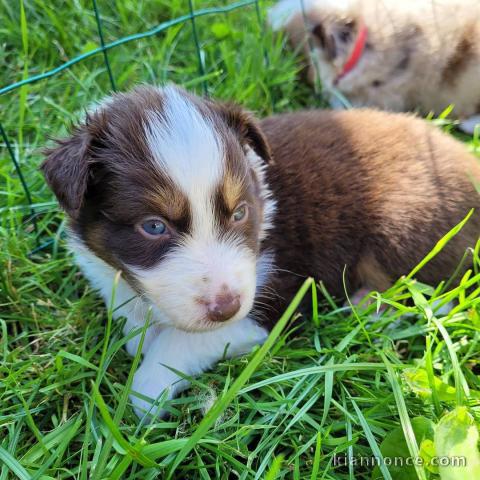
(468, 125)
(190, 353)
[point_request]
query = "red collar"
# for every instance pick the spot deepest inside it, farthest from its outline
(357, 52)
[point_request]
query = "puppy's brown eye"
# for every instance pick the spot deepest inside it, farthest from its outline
(240, 213)
(153, 227)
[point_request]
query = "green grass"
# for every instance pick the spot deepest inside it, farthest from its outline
(334, 384)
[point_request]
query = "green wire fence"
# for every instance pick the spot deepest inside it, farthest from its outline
(103, 49)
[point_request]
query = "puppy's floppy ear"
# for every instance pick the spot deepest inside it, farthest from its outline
(336, 37)
(247, 129)
(67, 169)
(326, 40)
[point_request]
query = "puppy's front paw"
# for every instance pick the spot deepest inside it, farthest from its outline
(151, 387)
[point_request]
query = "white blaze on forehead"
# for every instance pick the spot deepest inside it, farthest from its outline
(187, 148)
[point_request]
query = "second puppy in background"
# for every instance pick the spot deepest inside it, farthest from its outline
(400, 56)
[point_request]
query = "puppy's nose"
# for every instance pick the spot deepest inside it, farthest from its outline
(224, 307)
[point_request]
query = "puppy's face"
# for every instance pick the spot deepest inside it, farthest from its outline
(324, 30)
(383, 75)
(331, 41)
(170, 189)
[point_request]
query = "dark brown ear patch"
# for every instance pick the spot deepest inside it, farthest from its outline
(326, 41)
(246, 128)
(318, 31)
(256, 139)
(66, 169)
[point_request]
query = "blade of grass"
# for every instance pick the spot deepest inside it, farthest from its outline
(404, 417)
(119, 471)
(328, 393)
(340, 367)
(430, 374)
(348, 429)
(439, 245)
(461, 386)
(24, 88)
(316, 458)
(370, 438)
(15, 467)
(274, 470)
(315, 319)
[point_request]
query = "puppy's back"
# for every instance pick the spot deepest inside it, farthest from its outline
(371, 190)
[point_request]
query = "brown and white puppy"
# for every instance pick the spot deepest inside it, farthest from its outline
(201, 207)
(395, 55)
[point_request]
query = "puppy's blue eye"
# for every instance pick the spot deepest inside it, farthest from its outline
(154, 227)
(240, 213)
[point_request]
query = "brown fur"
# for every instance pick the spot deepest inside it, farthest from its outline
(371, 274)
(368, 191)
